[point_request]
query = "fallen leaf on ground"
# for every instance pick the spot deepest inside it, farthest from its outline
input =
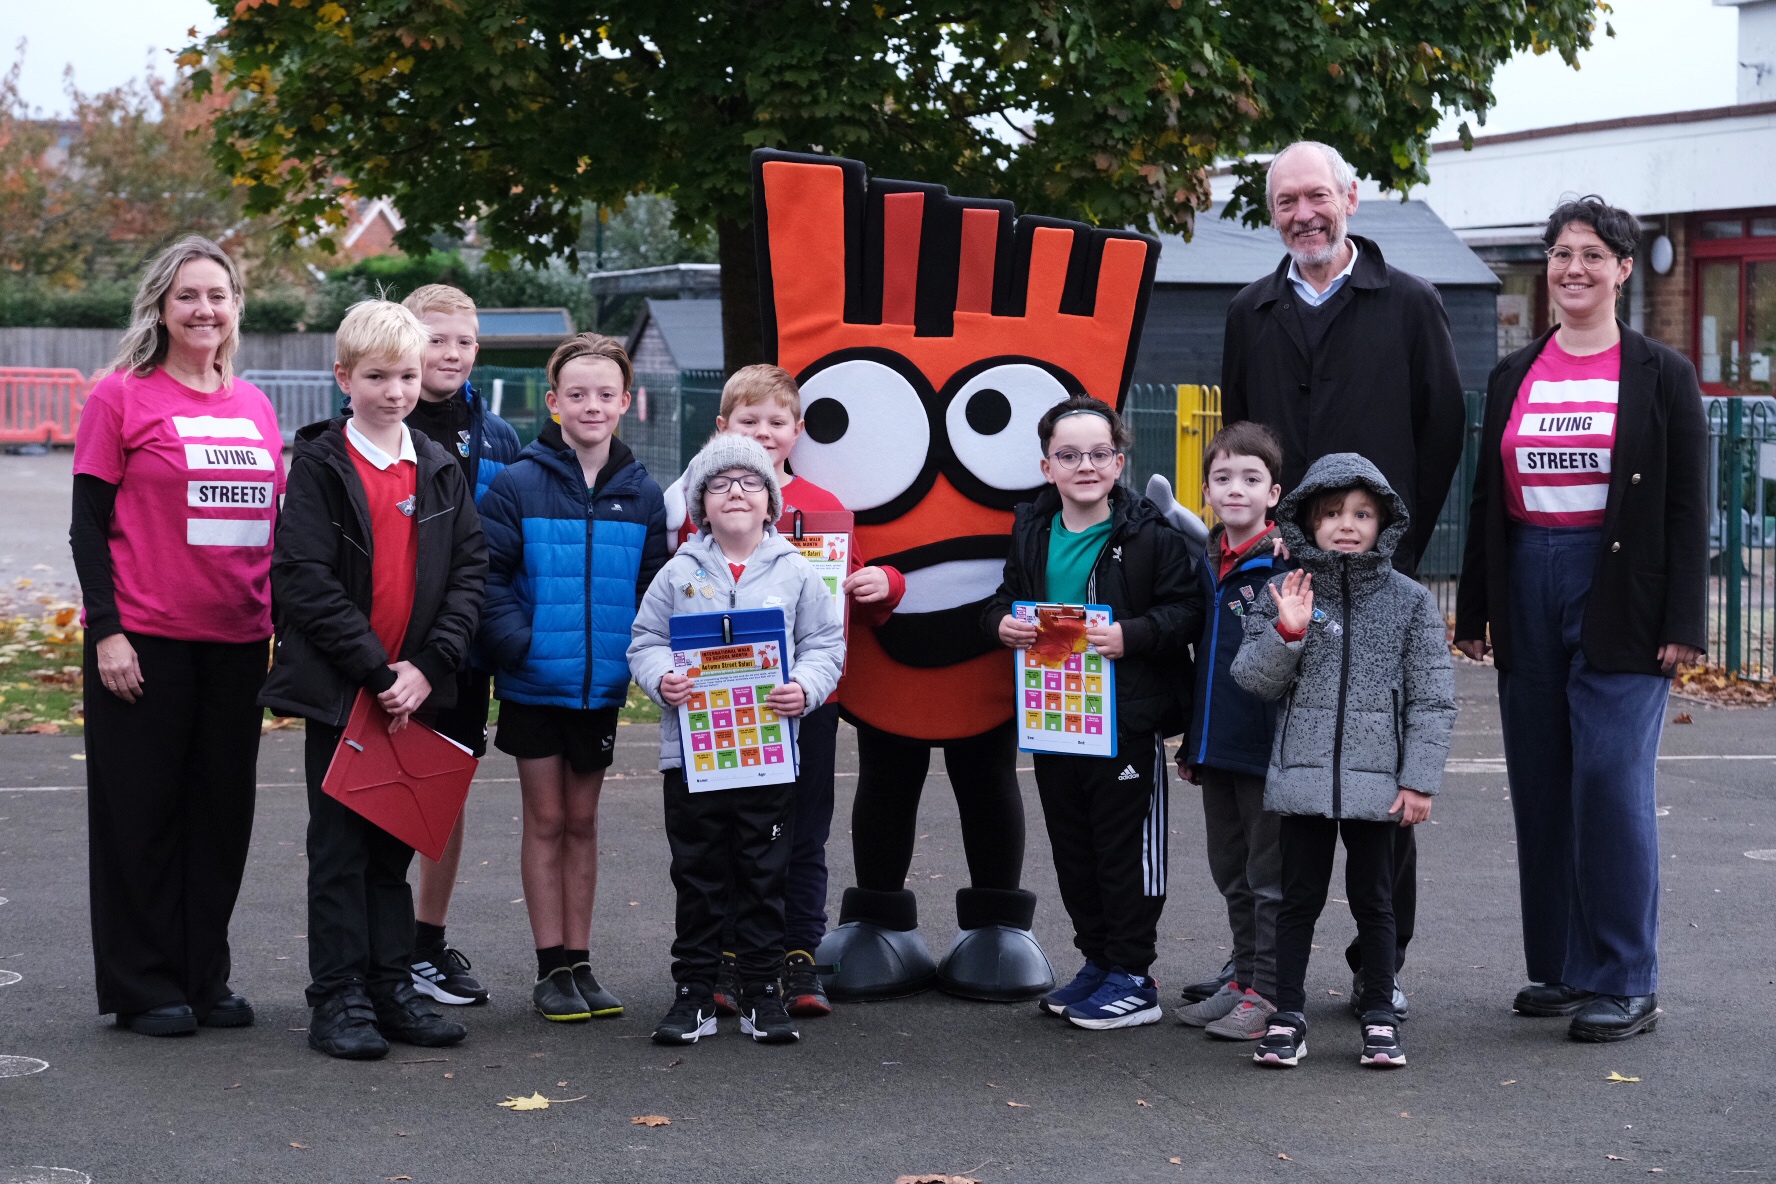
(397, 1177)
(1144, 1102)
(449, 1075)
(561, 1084)
(534, 1102)
(1512, 1081)
(1616, 1078)
(44, 729)
(935, 1178)
(650, 1120)
(1682, 717)
(1330, 991)
(300, 1146)
(236, 1085)
(1404, 1114)
(1650, 1171)
(1617, 1158)
(1175, 1159)
(1021, 1105)
(1280, 1155)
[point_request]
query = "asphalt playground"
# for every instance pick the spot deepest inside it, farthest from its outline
(928, 1085)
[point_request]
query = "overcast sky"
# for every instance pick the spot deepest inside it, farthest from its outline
(1667, 55)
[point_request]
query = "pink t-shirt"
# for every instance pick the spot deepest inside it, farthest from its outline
(1560, 438)
(198, 478)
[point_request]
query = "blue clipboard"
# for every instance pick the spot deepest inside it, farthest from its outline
(1067, 708)
(729, 738)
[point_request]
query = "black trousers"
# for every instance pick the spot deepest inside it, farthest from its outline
(170, 787)
(804, 893)
(885, 814)
(1308, 844)
(360, 909)
(1107, 823)
(730, 859)
(466, 722)
(1405, 899)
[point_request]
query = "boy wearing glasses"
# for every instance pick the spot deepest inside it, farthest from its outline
(576, 530)
(1087, 540)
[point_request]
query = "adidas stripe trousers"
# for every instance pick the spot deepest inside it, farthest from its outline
(1107, 824)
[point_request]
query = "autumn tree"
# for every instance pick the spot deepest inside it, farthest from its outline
(516, 113)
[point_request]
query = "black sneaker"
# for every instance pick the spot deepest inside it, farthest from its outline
(803, 995)
(1284, 1042)
(1197, 992)
(1381, 1042)
(344, 1026)
(1398, 1001)
(406, 1016)
(557, 998)
(692, 1016)
(601, 1003)
(443, 974)
(727, 986)
(763, 1017)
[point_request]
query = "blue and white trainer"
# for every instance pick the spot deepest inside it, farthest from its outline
(1122, 1000)
(1084, 985)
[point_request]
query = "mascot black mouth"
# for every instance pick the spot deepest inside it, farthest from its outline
(948, 584)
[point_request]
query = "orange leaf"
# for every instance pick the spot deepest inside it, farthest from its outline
(650, 1120)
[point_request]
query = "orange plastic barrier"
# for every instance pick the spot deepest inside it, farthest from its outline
(40, 405)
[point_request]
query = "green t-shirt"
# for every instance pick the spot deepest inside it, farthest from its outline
(1071, 558)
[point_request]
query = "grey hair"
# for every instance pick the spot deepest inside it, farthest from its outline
(144, 344)
(1343, 175)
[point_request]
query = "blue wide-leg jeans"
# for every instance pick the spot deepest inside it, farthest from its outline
(1581, 749)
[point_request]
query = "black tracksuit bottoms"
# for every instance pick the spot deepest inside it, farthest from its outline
(170, 786)
(1107, 823)
(730, 856)
(360, 909)
(1308, 843)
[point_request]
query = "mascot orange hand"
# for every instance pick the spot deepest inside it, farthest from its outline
(929, 333)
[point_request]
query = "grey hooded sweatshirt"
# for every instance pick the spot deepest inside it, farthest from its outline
(1368, 696)
(775, 577)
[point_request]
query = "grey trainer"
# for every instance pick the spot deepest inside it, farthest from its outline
(1201, 1015)
(1248, 1021)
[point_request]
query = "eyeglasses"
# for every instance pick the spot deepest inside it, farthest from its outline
(751, 483)
(1069, 458)
(1591, 258)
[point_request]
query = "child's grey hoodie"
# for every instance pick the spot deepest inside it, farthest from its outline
(775, 577)
(1369, 694)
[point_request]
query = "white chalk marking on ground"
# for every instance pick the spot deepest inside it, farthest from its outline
(41, 1175)
(8, 977)
(1496, 764)
(1767, 855)
(21, 1066)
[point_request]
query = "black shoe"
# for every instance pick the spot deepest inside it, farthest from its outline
(174, 1019)
(404, 1015)
(1356, 999)
(1381, 1042)
(601, 1003)
(802, 993)
(692, 1016)
(443, 974)
(763, 1017)
(230, 1011)
(344, 1026)
(1615, 1017)
(1197, 992)
(727, 986)
(1550, 999)
(1284, 1042)
(557, 998)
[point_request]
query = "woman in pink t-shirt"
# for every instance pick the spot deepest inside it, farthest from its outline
(178, 467)
(1585, 572)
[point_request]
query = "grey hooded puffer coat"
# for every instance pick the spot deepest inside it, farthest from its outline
(1369, 694)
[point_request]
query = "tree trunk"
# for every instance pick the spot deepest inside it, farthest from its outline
(742, 337)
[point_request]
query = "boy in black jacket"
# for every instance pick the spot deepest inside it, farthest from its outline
(376, 585)
(1087, 540)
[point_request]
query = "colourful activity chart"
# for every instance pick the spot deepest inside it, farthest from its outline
(1066, 690)
(824, 539)
(731, 738)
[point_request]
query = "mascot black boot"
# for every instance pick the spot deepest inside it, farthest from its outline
(929, 333)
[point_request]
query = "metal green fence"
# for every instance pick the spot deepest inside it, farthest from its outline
(1742, 535)
(515, 394)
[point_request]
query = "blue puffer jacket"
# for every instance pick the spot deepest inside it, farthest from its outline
(493, 444)
(1230, 728)
(566, 567)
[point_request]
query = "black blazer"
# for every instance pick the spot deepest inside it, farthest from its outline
(1650, 586)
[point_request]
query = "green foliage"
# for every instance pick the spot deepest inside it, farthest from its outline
(392, 277)
(29, 301)
(642, 234)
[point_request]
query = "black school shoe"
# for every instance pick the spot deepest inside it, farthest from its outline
(601, 1003)
(443, 974)
(405, 1015)
(692, 1016)
(1398, 1001)
(1197, 992)
(1608, 1018)
(1284, 1043)
(1550, 999)
(173, 1019)
(344, 1026)
(762, 1015)
(230, 1011)
(727, 986)
(557, 997)
(1381, 1042)
(803, 995)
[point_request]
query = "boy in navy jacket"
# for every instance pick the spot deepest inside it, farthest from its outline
(576, 530)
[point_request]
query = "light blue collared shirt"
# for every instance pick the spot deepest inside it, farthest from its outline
(1318, 298)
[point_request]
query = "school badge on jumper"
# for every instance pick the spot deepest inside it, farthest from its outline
(405, 505)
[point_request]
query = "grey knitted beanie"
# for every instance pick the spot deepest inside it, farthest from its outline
(728, 451)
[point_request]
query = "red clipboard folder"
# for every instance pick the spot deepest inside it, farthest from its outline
(412, 784)
(796, 523)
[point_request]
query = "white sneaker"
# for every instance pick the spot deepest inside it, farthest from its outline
(1201, 1015)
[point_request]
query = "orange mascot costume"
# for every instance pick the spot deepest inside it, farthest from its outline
(929, 334)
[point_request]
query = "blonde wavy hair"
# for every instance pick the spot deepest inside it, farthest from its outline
(380, 330)
(144, 344)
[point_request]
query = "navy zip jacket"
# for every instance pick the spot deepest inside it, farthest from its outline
(1230, 728)
(566, 567)
(493, 443)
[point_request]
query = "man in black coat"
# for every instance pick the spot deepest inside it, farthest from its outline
(1336, 351)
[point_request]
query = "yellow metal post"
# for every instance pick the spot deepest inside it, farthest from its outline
(1199, 418)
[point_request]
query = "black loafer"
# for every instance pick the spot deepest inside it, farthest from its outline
(230, 1011)
(405, 1015)
(1197, 992)
(344, 1026)
(1550, 999)
(174, 1019)
(1615, 1017)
